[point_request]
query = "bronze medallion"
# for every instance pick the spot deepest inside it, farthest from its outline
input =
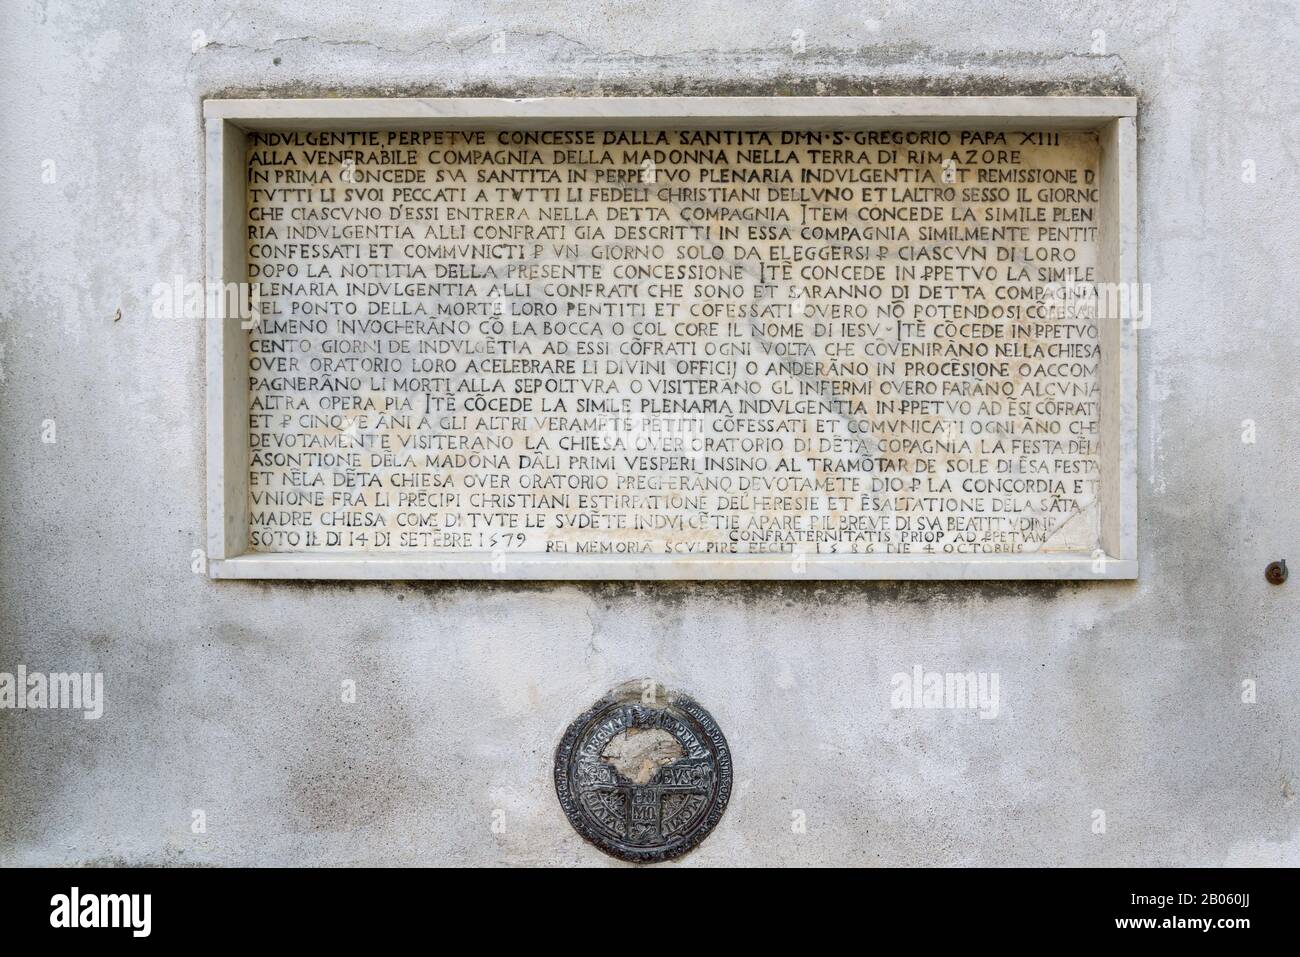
(645, 774)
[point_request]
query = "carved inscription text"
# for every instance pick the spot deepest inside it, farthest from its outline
(673, 342)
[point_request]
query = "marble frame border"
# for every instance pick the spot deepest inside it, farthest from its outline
(226, 120)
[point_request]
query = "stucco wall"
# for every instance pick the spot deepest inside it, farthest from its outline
(225, 696)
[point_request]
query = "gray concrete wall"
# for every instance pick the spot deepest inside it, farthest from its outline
(225, 697)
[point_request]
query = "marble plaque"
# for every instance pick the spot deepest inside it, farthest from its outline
(673, 343)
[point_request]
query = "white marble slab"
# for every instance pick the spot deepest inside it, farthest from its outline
(1097, 540)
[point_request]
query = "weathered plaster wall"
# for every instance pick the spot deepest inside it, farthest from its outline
(225, 696)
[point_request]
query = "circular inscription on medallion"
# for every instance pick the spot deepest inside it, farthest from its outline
(645, 774)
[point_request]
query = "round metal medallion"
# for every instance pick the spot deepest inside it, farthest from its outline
(645, 774)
